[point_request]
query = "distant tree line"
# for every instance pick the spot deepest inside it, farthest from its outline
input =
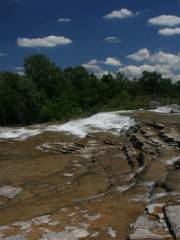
(47, 93)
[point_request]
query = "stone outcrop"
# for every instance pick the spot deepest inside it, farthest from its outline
(93, 188)
(9, 191)
(60, 147)
(152, 224)
(146, 234)
(173, 219)
(169, 139)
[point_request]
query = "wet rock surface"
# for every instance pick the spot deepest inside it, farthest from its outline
(58, 186)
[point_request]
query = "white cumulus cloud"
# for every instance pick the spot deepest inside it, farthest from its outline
(114, 62)
(101, 73)
(171, 61)
(167, 64)
(177, 77)
(50, 41)
(133, 71)
(165, 20)
(141, 55)
(112, 39)
(65, 20)
(2, 54)
(19, 70)
(119, 14)
(169, 31)
(92, 65)
(95, 67)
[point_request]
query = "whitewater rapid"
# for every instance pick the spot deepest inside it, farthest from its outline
(167, 109)
(112, 122)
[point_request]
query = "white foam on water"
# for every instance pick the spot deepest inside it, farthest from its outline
(102, 122)
(163, 109)
(167, 109)
(112, 122)
(18, 133)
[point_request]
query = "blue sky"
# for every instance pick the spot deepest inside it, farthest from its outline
(102, 35)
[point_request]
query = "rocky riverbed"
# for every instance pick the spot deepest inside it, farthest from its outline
(111, 176)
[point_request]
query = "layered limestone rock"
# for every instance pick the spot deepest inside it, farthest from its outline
(152, 225)
(173, 218)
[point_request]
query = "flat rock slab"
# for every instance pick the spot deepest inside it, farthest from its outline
(173, 218)
(146, 234)
(17, 237)
(144, 228)
(9, 192)
(68, 234)
(145, 223)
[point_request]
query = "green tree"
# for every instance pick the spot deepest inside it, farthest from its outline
(19, 99)
(47, 77)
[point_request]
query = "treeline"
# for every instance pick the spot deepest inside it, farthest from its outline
(47, 93)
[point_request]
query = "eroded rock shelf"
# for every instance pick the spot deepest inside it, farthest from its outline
(107, 185)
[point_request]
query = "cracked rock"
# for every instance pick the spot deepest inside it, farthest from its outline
(173, 218)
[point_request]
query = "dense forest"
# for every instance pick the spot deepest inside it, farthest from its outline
(47, 93)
